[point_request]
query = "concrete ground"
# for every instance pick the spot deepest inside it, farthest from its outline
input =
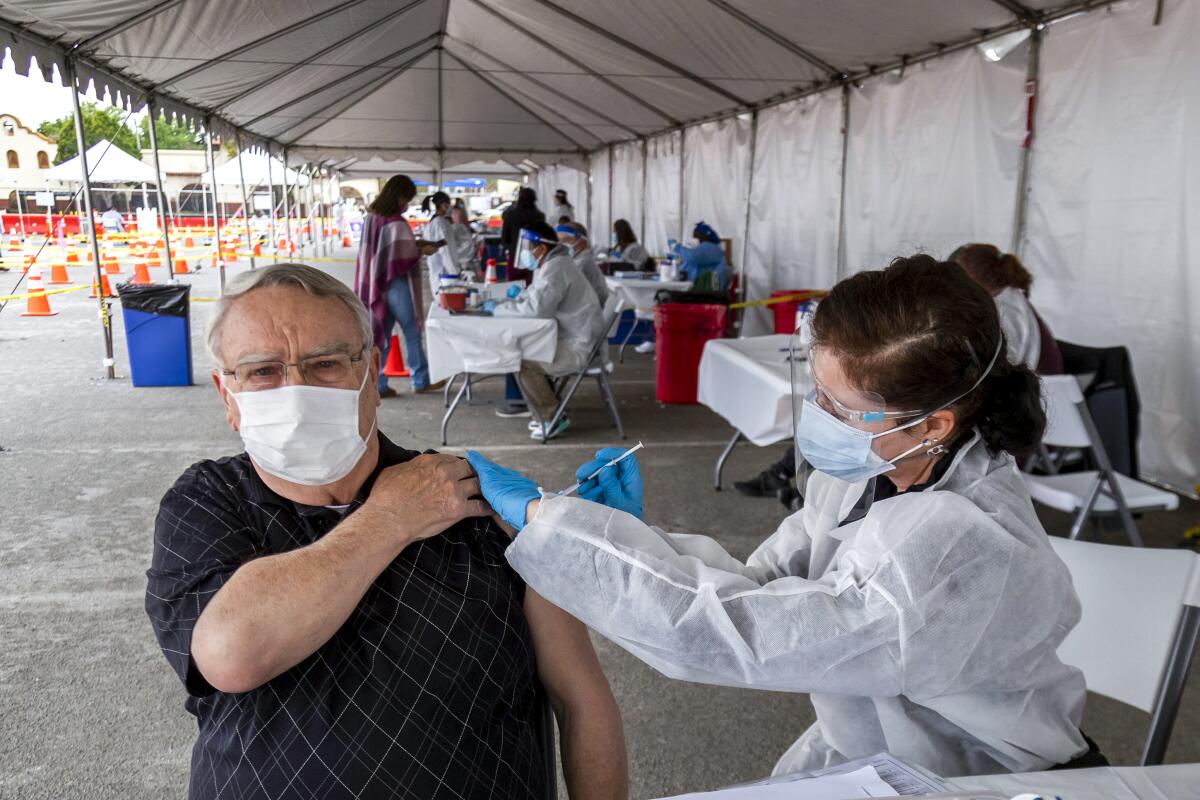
(89, 706)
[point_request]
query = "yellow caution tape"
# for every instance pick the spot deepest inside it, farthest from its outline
(27, 295)
(797, 297)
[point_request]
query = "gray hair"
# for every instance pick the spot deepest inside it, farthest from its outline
(302, 276)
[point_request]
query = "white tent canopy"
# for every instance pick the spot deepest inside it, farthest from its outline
(107, 163)
(260, 169)
(822, 137)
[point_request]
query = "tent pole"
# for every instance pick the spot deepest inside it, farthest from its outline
(1031, 92)
(840, 265)
(287, 206)
(644, 170)
(611, 240)
(588, 215)
(682, 153)
(742, 287)
(85, 221)
(237, 138)
(164, 213)
(271, 198)
(212, 174)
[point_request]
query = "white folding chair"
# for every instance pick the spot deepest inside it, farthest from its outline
(597, 366)
(1139, 627)
(1099, 491)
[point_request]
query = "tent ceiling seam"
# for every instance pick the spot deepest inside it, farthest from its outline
(528, 110)
(259, 42)
(377, 64)
(363, 91)
(92, 41)
(1019, 10)
(291, 68)
(547, 87)
(779, 39)
(578, 64)
(646, 54)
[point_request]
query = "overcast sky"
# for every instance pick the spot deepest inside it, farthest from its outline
(31, 99)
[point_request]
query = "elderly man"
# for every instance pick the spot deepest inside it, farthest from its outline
(339, 609)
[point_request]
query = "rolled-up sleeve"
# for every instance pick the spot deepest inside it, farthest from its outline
(200, 540)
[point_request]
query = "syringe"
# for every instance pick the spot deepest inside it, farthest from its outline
(618, 459)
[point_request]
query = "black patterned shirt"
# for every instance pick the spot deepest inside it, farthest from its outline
(428, 690)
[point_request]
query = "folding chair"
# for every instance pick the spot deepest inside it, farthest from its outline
(1100, 491)
(1139, 627)
(596, 366)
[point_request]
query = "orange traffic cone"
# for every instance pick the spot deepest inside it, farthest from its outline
(346, 242)
(141, 275)
(257, 249)
(58, 274)
(105, 286)
(283, 245)
(189, 242)
(181, 267)
(154, 259)
(14, 243)
(72, 258)
(394, 368)
(29, 259)
(111, 266)
(37, 304)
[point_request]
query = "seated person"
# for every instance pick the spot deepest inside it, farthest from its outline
(1006, 279)
(628, 249)
(704, 263)
(559, 292)
(338, 608)
(574, 236)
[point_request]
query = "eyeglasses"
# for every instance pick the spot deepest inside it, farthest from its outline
(855, 416)
(331, 369)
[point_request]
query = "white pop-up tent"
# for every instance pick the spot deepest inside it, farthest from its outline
(258, 168)
(821, 137)
(107, 164)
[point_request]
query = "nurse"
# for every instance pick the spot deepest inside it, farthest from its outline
(915, 597)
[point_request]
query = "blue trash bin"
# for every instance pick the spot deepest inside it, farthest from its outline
(157, 333)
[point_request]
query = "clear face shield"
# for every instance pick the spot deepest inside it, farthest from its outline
(838, 429)
(527, 245)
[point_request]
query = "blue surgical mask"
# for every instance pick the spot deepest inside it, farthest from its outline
(835, 448)
(527, 260)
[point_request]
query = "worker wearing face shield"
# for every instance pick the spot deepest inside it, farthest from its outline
(559, 292)
(915, 597)
(574, 237)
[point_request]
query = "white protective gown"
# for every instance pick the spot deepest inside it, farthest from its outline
(560, 292)
(928, 628)
(585, 259)
(1020, 327)
(450, 259)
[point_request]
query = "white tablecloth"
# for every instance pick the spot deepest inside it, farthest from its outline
(639, 293)
(749, 383)
(485, 345)
(1170, 782)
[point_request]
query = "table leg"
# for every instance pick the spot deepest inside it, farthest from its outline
(454, 405)
(737, 437)
(446, 391)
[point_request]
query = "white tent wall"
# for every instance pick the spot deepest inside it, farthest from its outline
(662, 190)
(550, 179)
(627, 195)
(793, 236)
(933, 158)
(599, 222)
(1113, 234)
(716, 162)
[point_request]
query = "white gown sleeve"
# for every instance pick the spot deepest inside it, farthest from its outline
(541, 299)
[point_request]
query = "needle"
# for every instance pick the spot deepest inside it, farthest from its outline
(622, 457)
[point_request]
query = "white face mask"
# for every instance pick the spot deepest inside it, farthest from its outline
(303, 434)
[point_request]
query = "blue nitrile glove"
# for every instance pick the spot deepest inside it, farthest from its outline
(514, 291)
(488, 305)
(506, 490)
(618, 486)
(672, 244)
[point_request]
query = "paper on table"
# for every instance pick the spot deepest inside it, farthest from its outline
(862, 782)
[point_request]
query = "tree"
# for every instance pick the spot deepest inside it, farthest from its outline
(171, 135)
(99, 122)
(109, 122)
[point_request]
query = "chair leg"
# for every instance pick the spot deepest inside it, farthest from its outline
(1131, 528)
(1166, 705)
(737, 437)
(628, 336)
(562, 404)
(1085, 510)
(454, 406)
(606, 393)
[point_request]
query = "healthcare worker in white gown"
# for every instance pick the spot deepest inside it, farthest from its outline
(915, 596)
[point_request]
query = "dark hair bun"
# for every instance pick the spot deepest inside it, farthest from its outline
(1011, 416)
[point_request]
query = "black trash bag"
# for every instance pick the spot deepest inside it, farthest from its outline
(704, 298)
(164, 299)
